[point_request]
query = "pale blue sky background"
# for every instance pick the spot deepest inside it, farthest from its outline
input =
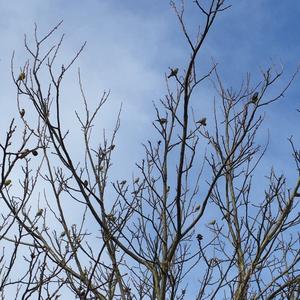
(131, 44)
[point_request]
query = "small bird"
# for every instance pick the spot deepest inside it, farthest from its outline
(123, 182)
(197, 207)
(254, 98)
(21, 76)
(162, 121)
(24, 153)
(213, 222)
(100, 168)
(85, 183)
(7, 182)
(39, 212)
(112, 147)
(202, 121)
(199, 237)
(62, 234)
(102, 153)
(227, 216)
(111, 217)
(22, 112)
(213, 261)
(173, 72)
(136, 180)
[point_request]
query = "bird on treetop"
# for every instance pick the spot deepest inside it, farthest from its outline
(254, 97)
(21, 76)
(112, 147)
(199, 236)
(202, 122)
(173, 72)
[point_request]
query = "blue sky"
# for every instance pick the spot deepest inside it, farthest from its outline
(131, 44)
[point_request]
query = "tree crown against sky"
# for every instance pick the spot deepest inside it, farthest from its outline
(191, 220)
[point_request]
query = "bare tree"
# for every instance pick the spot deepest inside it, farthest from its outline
(147, 237)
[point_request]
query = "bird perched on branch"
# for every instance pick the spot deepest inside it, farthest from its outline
(202, 121)
(85, 183)
(162, 121)
(254, 98)
(21, 76)
(39, 212)
(197, 207)
(112, 147)
(24, 153)
(22, 112)
(62, 234)
(212, 222)
(7, 182)
(173, 72)
(111, 217)
(199, 237)
(123, 182)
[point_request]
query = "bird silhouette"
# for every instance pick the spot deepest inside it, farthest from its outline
(22, 112)
(162, 121)
(173, 72)
(254, 98)
(21, 76)
(202, 121)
